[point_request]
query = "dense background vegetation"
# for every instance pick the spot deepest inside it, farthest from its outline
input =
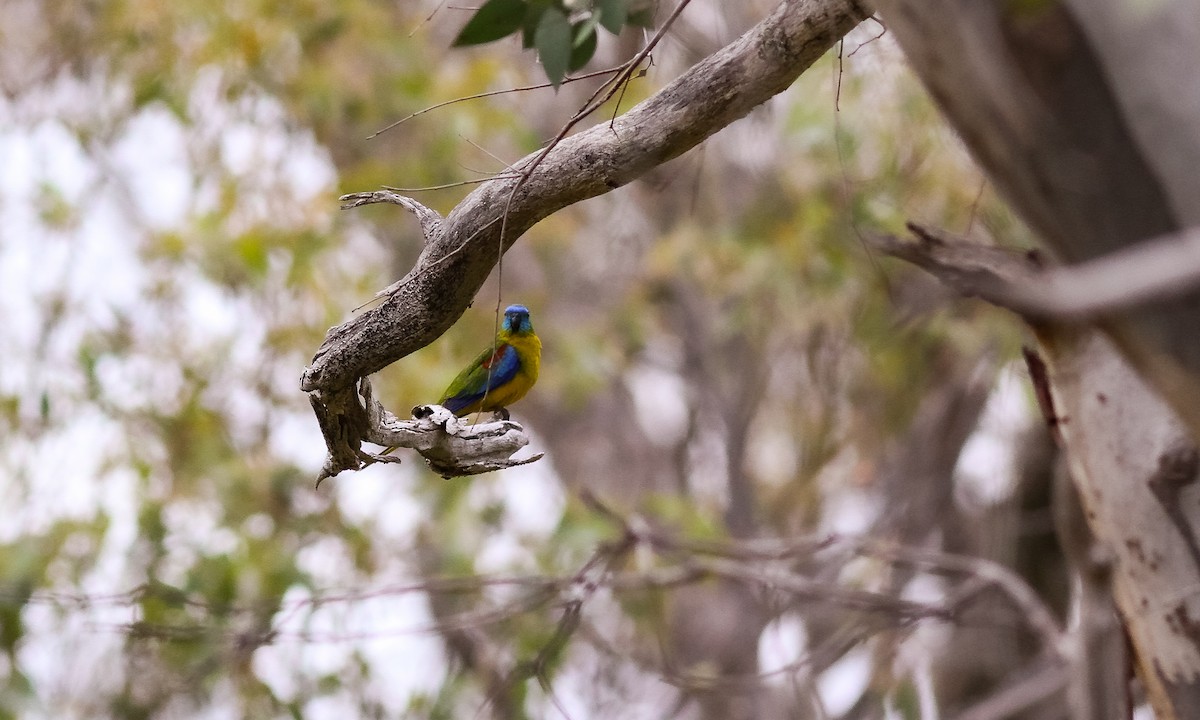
(724, 360)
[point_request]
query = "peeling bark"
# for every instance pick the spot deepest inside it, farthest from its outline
(1124, 446)
(452, 446)
(1135, 466)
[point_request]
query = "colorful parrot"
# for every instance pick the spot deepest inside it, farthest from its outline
(502, 373)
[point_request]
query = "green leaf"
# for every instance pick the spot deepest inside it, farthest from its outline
(534, 10)
(642, 18)
(612, 14)
(529, 30)
(496, 19)
(553, 43)
(584, 45)
(251, 248)
(580, 31)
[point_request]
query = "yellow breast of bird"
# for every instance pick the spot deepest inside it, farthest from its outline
(529, 351)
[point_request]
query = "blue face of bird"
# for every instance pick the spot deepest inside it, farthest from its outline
(516, 319)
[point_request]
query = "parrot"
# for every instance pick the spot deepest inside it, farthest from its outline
(502, 373)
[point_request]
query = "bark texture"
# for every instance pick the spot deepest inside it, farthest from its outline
(1086, 116)
(1136, 469)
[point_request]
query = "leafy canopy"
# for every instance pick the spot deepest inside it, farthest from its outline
(563, 32)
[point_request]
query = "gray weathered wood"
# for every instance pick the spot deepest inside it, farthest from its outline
(452, 446)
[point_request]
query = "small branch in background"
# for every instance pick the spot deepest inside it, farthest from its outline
(583, 585)
(1039, 377)
(759, 561)
(492, 93)
(1042, 680)
(1156, 270)
(1038, 615)
(971, 269)
(470, 623)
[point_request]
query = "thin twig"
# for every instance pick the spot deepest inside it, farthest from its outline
(507, 166)
(606, 555)
(491, 93)
(427, 18)
(460, 183)
(837, 95)
(873, 39)
(975, 206)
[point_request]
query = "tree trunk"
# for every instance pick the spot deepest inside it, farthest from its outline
(1086, 116)
(1135, 466)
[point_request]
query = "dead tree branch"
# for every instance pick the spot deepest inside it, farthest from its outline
(460, 250)
(1160, 269)
(452, 446)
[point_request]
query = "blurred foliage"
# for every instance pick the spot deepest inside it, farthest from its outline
(716, 325)
(563, 33)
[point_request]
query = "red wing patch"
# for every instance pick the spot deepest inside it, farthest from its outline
(495, 356)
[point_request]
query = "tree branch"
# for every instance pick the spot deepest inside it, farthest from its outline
(991, 273)
(462, 252)
(1163, 269)
(452, 447)
(1160, 269)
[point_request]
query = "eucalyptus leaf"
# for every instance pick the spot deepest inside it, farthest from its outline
(534, 9)
(496, 19)
(584, 44)
(642, 18)
(553, 43)
(612, 14)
